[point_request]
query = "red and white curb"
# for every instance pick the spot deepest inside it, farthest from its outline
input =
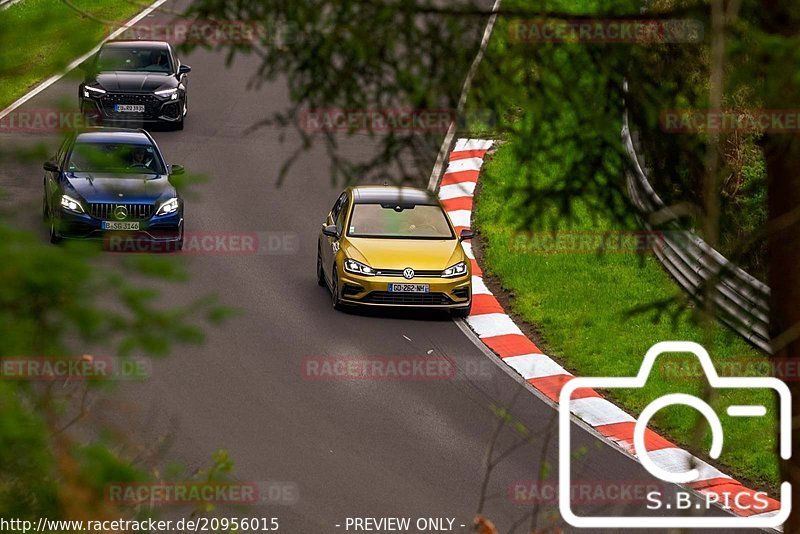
(500, 334)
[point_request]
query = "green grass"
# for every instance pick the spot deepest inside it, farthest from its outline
(582, 304)
(41, 37)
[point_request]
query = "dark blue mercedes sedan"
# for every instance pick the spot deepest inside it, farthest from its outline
(112, 184)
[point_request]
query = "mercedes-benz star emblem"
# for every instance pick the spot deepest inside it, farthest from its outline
(408, 273)
(120, 213)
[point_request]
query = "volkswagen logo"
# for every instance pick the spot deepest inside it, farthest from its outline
(408, 273)
(121, 213)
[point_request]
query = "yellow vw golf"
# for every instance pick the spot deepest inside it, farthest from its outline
(393, 246)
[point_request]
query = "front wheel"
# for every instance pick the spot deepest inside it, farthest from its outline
(184, 111)
(461, 312)
(320, 272)
(54, 237)
(335, 301)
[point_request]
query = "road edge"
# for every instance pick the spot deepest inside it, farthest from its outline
(77, 61)
(495, 333)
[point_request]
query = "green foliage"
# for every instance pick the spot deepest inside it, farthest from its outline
(50, 294)
(40, 37)
(508, 420)
(558, 106)
(99, 465)
(358, 55)
(584, 304)
(53, 302)
(745, 216)
(28, 487)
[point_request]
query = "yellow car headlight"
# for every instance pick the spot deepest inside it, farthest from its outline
(356, 267)
(459, 269)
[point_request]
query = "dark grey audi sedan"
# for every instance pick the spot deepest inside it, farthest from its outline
(135, 83)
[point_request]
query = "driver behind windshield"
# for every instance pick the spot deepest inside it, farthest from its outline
(141, 159)
(157, 62)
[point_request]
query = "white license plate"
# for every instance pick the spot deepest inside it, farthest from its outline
(117, 225)
(129, 108)
(409, 288)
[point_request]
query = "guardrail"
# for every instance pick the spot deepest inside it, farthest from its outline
(4, 4)
(742, 300)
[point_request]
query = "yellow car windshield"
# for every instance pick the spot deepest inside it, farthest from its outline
(411, 222)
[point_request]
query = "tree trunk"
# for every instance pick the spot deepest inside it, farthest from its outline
(782, 152)
(783, 170)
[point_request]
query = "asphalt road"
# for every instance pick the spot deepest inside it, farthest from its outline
(352, 448)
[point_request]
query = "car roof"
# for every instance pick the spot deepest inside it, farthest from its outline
(136, 44)
(387, 194)
(114, 135)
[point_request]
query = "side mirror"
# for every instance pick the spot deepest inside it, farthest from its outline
(176, 169)
(50, 166)
(184, 69)
(466, 234)
(330, 230)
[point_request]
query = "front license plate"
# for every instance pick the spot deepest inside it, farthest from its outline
(117, 225)
(129, 108)
(409, 288)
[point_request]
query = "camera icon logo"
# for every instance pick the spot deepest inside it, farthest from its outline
(668, 475)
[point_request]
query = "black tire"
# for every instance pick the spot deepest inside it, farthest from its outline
(179, 243)
(320, 273)
(335, 301)
(54, 237)
(184, 110)
(461, 312)
(45, 209)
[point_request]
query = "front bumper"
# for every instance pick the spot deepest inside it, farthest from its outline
(157, 229)
(445, 293)
(157, 110)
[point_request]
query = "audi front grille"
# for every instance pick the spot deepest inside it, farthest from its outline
(152, 105)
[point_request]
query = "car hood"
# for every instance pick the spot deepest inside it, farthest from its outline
(419, 254)
(121, 188)
(135, 82)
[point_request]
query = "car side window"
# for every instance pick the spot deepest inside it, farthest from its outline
(337, 206)
(340, 218)
(174, 61)
(61, 155)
